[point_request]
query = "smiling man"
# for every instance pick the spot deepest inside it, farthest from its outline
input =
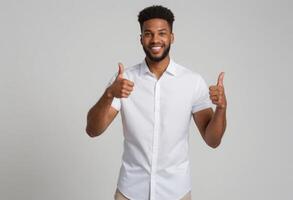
(157, 99)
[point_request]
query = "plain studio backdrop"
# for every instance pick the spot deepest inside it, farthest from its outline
(58, 56)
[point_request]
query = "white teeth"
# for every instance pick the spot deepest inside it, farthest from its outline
(156, 48)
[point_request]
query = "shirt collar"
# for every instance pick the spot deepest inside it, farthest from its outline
(171, 69)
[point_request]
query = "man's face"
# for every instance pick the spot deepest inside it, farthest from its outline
(156, 39)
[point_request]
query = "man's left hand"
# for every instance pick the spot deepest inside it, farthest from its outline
(217, 93)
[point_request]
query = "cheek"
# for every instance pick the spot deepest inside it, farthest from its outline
(143, 41)
(168, 41)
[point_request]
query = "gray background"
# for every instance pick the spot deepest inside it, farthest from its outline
(57, 57)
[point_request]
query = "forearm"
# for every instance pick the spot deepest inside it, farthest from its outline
(98, 114)
(216, 128)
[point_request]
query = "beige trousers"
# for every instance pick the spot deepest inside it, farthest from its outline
(120, 196)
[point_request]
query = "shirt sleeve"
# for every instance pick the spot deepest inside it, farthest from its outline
(201, 97)
(116, 101)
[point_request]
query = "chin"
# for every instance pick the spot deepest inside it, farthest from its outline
(156, 59)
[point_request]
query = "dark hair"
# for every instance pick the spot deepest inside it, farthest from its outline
(156, 11)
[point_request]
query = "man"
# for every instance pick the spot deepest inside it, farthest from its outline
(157, 99)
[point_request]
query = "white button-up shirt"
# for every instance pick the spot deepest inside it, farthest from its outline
(156, 120)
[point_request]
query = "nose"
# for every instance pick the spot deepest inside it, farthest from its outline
(155, 38)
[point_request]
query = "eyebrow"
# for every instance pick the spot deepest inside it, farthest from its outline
(163, 29)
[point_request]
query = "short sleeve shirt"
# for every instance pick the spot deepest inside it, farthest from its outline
(156, 120)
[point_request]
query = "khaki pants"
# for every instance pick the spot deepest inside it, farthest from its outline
(120, 196)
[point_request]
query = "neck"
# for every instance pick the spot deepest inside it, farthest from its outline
(158, 68)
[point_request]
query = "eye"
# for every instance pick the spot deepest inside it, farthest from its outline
(147, 34)
(162, 33)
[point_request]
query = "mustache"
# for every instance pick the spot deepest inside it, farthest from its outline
(156, 45)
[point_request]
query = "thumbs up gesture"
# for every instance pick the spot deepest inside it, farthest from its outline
(120, 88)
(217, 93)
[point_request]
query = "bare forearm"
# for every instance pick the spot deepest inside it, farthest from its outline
(216, 128)
(101, 114)
(97, 115)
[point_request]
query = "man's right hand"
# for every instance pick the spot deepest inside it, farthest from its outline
(120, 88)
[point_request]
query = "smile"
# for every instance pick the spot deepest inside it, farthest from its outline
(156, 49)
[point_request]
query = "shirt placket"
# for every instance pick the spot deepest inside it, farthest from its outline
(155, 139)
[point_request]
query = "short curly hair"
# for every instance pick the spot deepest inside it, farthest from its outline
(156, 11)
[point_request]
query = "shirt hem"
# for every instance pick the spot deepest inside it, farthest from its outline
(189, 190)
(130, 198)
(122, 192)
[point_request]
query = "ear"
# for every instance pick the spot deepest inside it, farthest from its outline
(172, 38)
(140, 38)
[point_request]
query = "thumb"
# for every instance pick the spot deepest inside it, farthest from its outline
(120, 71)
(220, 79)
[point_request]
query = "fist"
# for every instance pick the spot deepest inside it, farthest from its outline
(217, 93)
(120, 88)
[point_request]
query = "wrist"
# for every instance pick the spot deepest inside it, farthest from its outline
(109, 93)
(222, 107)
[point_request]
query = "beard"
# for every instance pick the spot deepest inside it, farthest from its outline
(157, 59)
